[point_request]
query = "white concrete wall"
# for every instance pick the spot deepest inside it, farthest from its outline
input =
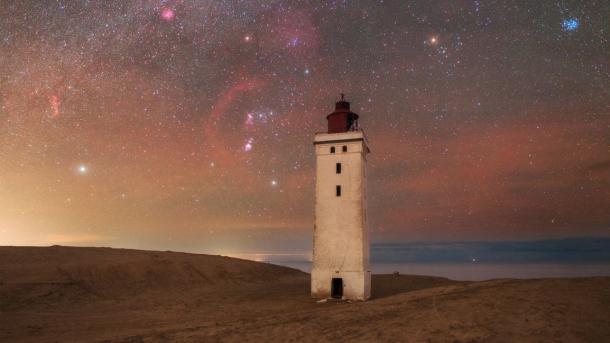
(341, 241)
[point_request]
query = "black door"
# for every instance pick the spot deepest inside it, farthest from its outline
(336, 289)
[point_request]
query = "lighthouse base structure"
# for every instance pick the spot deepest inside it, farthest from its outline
(340, 267)
(356, 285)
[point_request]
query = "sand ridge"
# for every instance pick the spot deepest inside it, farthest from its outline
(67, 294)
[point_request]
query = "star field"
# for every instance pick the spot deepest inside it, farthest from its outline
(188, 124)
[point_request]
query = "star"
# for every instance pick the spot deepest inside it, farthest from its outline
(273, 183)
(82, 169)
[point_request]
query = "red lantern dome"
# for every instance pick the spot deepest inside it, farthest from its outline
(342, 120)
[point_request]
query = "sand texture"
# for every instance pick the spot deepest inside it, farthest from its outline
(65, 294)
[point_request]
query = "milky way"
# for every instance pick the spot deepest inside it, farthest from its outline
(189, 124)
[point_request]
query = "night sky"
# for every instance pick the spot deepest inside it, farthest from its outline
(188, 125)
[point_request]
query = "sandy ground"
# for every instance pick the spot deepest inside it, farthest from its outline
(64, 294)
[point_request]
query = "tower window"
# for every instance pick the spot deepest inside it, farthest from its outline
(332, 149)
(338, 168)
(345, 148)
(338, 191)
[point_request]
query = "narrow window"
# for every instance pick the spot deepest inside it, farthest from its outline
(338, 189)
(338, 168)
(332, 149)
(345, 148)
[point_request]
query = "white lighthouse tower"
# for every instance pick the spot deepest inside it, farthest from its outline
(341, 239)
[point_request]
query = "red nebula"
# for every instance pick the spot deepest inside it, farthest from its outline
(54, 102)
(215, 121)
(167, 13)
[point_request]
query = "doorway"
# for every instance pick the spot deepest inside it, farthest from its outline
(336, 289)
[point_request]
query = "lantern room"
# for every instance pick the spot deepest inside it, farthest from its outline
(342, 119)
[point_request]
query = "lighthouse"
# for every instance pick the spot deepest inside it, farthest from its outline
(341, 239)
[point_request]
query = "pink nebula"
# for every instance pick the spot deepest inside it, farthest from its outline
(167, 13)
(249, 119)
(54, 102)
(248, 145)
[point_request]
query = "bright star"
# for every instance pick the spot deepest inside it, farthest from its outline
(247, 38)
(570, 24)
(273, 183)
(82, 169)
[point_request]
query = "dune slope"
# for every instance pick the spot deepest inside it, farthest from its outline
(70, 294)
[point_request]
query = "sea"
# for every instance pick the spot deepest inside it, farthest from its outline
(474, 261)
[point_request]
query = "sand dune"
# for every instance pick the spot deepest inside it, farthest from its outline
(65, 294)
